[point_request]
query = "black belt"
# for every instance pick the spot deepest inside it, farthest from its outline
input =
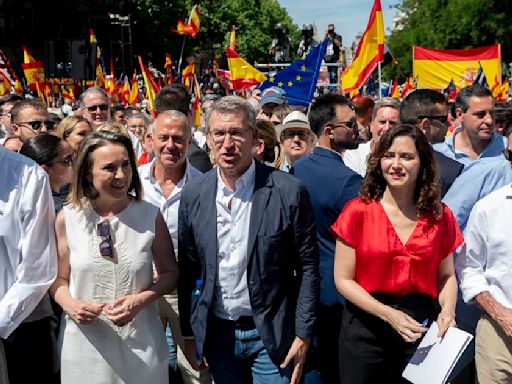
(243, 323)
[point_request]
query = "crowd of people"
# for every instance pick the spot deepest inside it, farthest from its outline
(269, 244)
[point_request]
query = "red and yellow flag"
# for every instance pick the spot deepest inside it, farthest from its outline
(434, 68)
(5, 86)
(134, 94)
(394, 90)
(125, 91)
(369, 52)
(242, 74)
(40, 93)
(18, 88)
(33, 70)
(149, 83)
(192, 27)
(408, 86)
(168, 70)
(197, 102)
(188, 74)
(68, 94)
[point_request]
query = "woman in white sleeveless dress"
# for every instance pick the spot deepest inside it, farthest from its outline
(108, 240)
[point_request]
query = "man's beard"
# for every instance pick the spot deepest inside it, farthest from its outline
(344, 145)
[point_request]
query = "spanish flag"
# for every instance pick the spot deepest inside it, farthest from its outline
(33, 70)
(149, 83)
(394, 90)
(125, 91)
(434, 68)
(370, 52)
(134, 94)
(188, 74)
(197, 102)
(5, 86)
(192, 27)
(243, 75)
(408, 86)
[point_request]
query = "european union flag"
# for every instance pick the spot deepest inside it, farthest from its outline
(300, 78)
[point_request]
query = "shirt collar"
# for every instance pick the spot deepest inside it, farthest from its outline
(151, 171)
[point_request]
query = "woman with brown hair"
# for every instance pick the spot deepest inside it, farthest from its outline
(394, 262)
(267, 146)
(107, 241)
(74, 129)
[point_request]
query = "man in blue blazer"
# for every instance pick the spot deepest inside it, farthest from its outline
(248, 257)
(331, 184)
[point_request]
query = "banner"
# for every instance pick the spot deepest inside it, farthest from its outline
(435, 68)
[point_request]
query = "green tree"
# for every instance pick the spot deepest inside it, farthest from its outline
(254, 20)
(449, 24)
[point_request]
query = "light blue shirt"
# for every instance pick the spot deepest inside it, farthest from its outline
(476, 181)
(497, 144)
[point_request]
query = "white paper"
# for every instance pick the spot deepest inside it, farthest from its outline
(435, 358)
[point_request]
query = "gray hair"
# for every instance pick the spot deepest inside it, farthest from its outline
(173, 115)
(93, 90)
(236, 105)
(388, 102)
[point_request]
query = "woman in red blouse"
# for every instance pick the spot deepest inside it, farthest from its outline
(394, 262)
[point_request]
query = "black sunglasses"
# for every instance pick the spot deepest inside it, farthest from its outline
(36, 125)
(507, 153)
(106, 246)
(443, 119)
(102, 107)
(290, 134)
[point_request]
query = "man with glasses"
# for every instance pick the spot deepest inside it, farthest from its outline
(247, 249)
(296, 137)
(428, 110)
(95, 106)
(385, 115)
(475, 138)
(30, 118)
(6, 104)
(331, 185)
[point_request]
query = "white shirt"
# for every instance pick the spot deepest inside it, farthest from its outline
(233, 220)
(152, 193)
(137, 146)
(356, 159)
(28, 254)
(487, 263)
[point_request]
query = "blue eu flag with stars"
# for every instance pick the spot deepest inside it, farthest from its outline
(300, 78)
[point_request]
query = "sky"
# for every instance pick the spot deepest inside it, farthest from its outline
(348, 16)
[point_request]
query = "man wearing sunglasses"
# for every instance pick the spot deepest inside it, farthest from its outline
(428, 110)
(296, 137)
(331, 184)
(30, 118)
(95, 106)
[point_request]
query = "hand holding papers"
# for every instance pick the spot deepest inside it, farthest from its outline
(435, 358)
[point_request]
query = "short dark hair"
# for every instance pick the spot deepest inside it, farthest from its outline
(323, 111)
(82, 186)
(116, 108)
(24, 104)
(173, 97)
(462, 99)
(41, 148)
(10, 98)
(421, 102)
(427, 197)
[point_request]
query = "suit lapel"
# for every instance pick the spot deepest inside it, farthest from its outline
(262, 185)
(210, 218)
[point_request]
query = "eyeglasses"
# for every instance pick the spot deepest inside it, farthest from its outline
(289, 134)
(237, 135)
(36, 125)
(106, 246)
(351, 124)
(507, 153)
(93, 108)
(443, 118)
(67, 162)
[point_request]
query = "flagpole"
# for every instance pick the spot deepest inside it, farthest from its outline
(380, 81)
(181, 54)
